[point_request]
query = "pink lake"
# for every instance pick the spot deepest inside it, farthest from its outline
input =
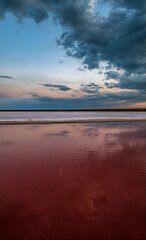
(73, 181)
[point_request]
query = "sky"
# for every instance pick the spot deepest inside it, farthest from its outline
(72, 54)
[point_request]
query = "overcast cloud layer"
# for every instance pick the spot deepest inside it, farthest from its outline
(119, 37)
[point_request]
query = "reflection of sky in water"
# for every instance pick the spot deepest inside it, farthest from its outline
(73, 181)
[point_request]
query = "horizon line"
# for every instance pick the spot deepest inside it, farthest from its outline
(73, 110)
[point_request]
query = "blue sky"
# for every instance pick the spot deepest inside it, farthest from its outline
(38, 61)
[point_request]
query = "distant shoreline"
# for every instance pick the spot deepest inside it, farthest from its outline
(69, 121)
(78, 110)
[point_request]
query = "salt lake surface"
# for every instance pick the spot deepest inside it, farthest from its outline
(65, 116)
(73, 181)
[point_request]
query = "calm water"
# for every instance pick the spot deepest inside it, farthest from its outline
(73, 182)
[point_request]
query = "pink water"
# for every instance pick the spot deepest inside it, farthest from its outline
(75, 181)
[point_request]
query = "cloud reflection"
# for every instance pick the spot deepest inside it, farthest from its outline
(90, 185)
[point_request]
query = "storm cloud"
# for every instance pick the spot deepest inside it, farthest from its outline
(59, 87)
(90, 88)
(99, 100)
(9, 77)
(133, 82)
(117, 37)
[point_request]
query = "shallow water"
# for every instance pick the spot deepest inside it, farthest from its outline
(73, 181)
(64, 116)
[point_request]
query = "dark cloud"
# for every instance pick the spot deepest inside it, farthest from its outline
(33, 94)
(111, 85)
(1, 76)
(60, 87)
(90, 88)
(137, 82)
(99, 100)
(69, 12)
(134, 82)
(25, 9)
(130, 4)
(112, 75)
(118, 37)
